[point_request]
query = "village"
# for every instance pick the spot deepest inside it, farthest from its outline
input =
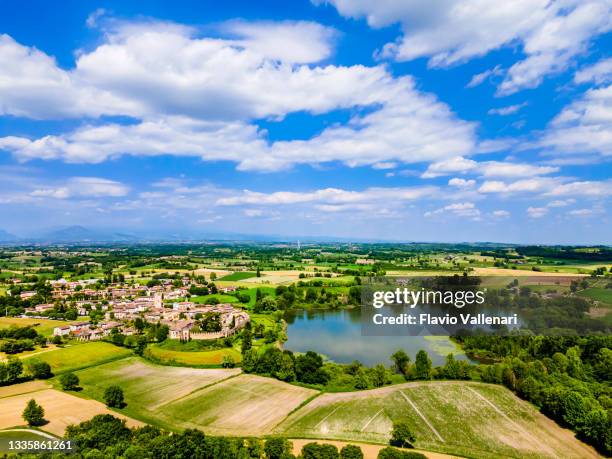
(121, 305)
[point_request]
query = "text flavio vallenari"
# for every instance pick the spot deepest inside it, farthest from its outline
(414, 298)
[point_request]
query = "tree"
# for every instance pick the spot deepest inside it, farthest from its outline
(394, 453)
(401, 435)
(34, 414)
(277, 447)
(69, 381)
(40, 370)
(319, 451)
(113, 397)
(423, 365)
(308, 368)
(401, 362)
(351, 452)
(162, 333)
(228, 361)
(247, 340)
(14, 367)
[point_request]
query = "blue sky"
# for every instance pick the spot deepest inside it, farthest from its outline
(462, 121)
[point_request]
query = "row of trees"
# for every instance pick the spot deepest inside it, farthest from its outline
(107, 436)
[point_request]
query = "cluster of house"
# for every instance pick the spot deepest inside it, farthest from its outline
(122, 305)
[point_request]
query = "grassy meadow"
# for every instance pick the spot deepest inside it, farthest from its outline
(79, 356)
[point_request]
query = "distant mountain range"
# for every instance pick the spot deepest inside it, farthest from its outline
(70, 234)
(7, 237)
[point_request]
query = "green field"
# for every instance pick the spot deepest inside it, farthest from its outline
(238, 276)
(80, 356)
(604, 295)
(211, 358)
(220, 297)
(43, 326)
(468, 419)
(147, 387)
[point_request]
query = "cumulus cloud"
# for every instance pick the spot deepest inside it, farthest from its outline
(412, 128)
(551, 33)
(449, 166)
(584, 127)
(461, 183)
(329, 196)
(486, 168)
(33, 86)
(286, 41)
(202, 96)
(461, 209)
(501, 213)
(526, 185)
(598, 73)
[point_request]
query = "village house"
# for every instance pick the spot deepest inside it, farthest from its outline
(180, 330)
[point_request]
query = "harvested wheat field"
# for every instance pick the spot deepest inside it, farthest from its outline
(61, 410)
(472, 419)
(244, 405)
(148, 386)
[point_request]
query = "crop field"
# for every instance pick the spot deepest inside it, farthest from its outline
(603, 295)
(61, 409)
(80, 356)
(238, 275)
(471, 419)
(193, 358)
(43, 326)
(244, 405)
(148, 386)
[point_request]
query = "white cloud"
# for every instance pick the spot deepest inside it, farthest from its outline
(561, 203)
(598, 73)
(508, 110)
(585, 188)
(537, 212)
(449, 166)
(199, 96)
(584, 127)
(461, 183)
(479, 78)
(461, 209)
(93, 18)
(84, 187)
(413, 128)
(486, 168)
(501, 213)
(329, 196)
(580, 212)
(535, 184)
(504, 169)
(33, 86)
(551, 32)
(286, 41)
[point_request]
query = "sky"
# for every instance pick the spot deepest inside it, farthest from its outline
(461, 120)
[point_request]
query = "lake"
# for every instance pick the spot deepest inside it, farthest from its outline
(337, 335)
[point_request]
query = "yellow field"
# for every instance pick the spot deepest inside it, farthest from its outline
(61, 409)
(203, 358)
